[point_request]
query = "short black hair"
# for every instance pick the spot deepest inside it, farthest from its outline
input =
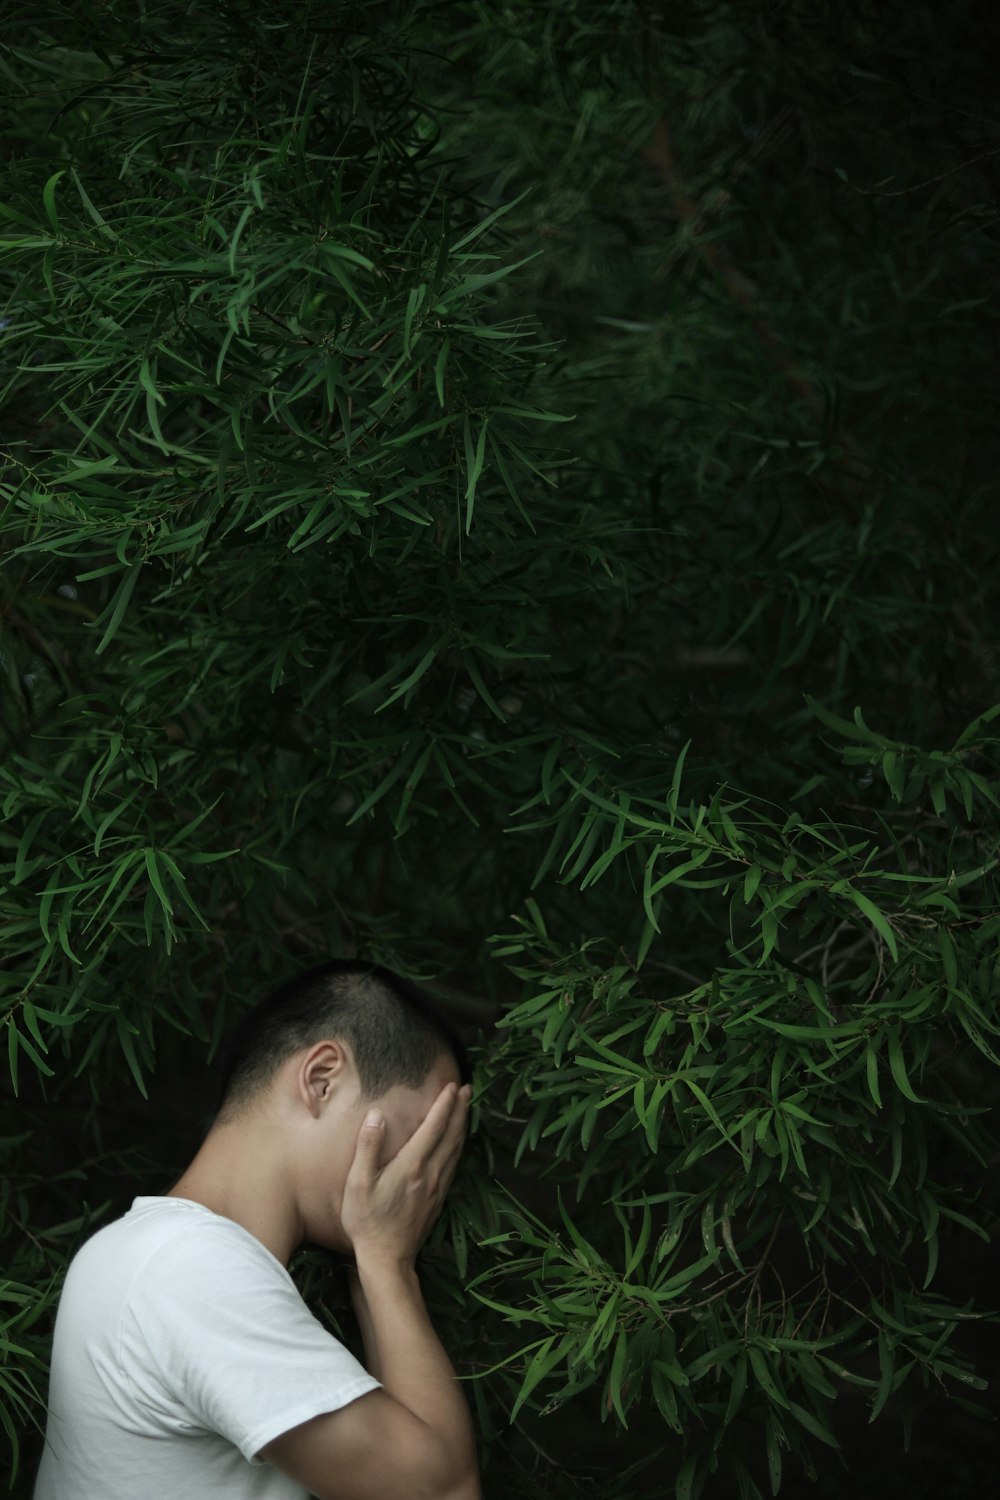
(394, 1032)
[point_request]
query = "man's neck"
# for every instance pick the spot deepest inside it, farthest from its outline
(237, 1174)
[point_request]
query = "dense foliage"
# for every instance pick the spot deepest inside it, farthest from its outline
(508, 490)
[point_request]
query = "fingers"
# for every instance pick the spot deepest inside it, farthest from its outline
(395, 1203)
(442, 1128)
(454, 1137)
(369, 1146)
(444, 1157)
(450, 1141)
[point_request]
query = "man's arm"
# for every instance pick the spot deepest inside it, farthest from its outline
(364, 1316)
(414, 1438)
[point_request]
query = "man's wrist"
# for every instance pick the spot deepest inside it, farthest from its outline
(381, 1265)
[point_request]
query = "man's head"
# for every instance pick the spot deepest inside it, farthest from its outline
(305, 1064)
(394, 1034)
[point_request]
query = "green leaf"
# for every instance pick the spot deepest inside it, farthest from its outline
(764, 1376)
(125, 1041)
(476, 677)
(737, 1390)
(411, 784)
(90, 210)
(812, 1424)
(685, 1487)
(897, 1066)
(675, 781)
(118, 605)
(12, 1055)
(474, 458)
(876, 918)
(487, 223)
(614, 1386)
(49, 198)
(871, 1073)
(949, 960)
(440, 365)
(156, 881)
(409, 682)
(547, 1355)
(773, 1449)
(398, 769)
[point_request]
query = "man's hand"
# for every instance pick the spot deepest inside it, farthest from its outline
(388, 1212)
(414, 1436)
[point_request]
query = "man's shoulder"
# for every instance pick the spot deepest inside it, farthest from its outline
(173, 1236)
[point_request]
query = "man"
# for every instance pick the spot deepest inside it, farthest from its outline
(185, 1364)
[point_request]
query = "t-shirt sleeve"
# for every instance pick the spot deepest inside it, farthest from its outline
(234, 1342)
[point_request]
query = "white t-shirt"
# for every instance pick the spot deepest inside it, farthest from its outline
(182, 1348)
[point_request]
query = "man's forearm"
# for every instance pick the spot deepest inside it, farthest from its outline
(406, 1355)
(363, 1314)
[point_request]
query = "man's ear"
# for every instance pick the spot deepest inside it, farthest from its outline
(322, 1070)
